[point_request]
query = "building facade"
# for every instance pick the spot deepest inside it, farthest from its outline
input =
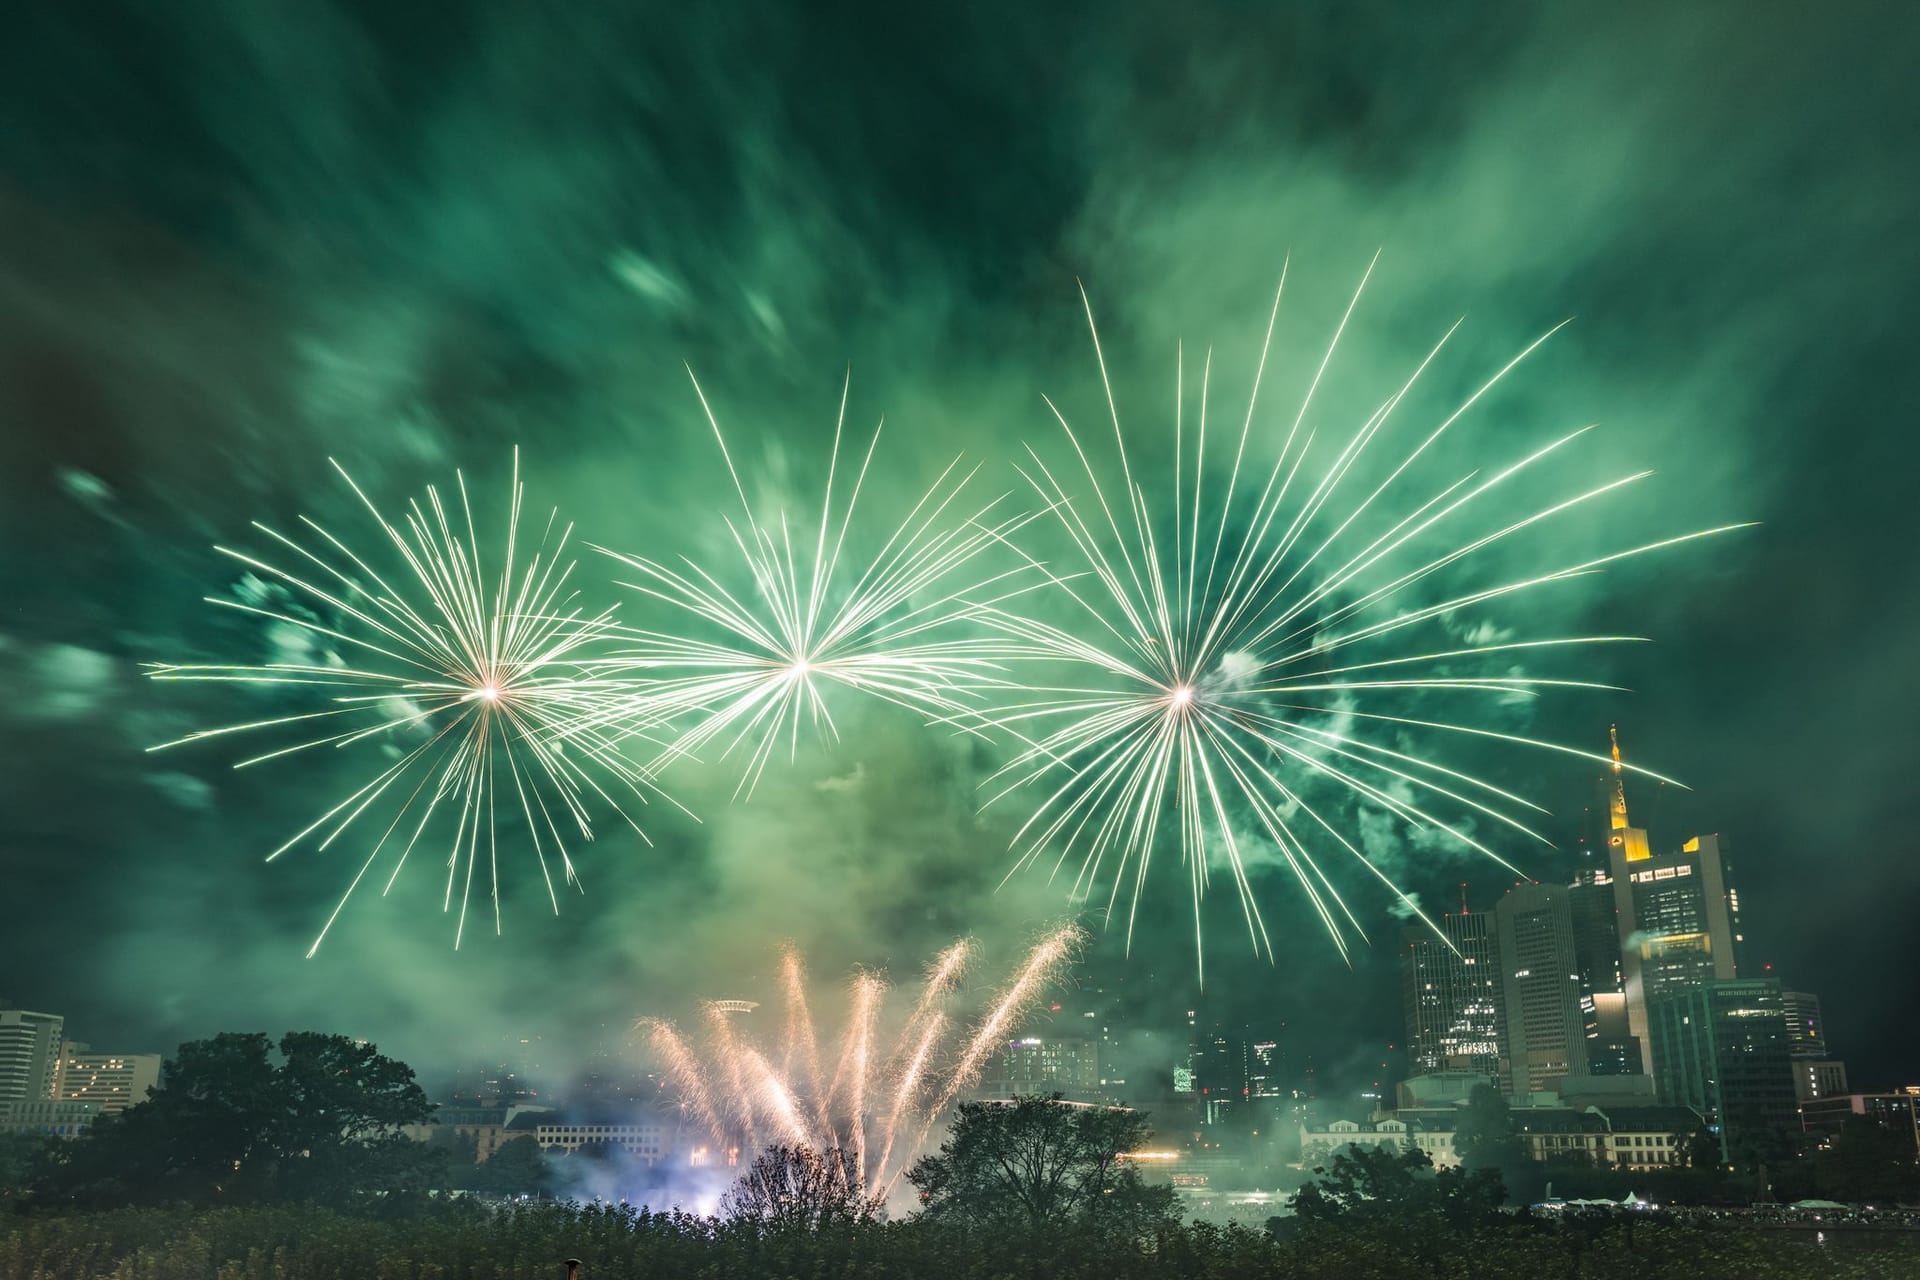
(1818, 1078)
(1321, 1142)
(1622, 1137)
(29, 1054)
(1453, 997)
(114, 1080)
(1720, 1047)
(647, 1141)
(1066, 1065)
(1546, 1033)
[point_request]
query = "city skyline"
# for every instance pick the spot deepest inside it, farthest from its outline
(1525, 1033)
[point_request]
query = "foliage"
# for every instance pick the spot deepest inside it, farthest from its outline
(1868, 1161)
(1038, 1163)
(800, 1188)
(517, 1168)
(1374, 1184)
(1485, 1136)
(229, 1126)
(19, 1153)
(463, 1242)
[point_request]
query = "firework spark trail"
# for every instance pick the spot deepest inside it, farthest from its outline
(764, 1100)
(930, 1024)
(731, 1056)
(684, 1069)
(1212, 682)
(778, 1099)
(803, 1046)
(482, 667)
(777, 643)
(856, 1061)
(932, 1028)
(1042, 966)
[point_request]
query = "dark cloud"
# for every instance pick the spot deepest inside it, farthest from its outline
(236, 241)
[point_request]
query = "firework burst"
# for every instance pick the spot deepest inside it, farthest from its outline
(468, 678)
(888, 1086)
(761, 658)
(1233, 655)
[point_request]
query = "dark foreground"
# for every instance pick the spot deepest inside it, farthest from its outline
(467, 1242)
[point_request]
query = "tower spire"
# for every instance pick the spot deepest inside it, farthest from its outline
(1617, 807)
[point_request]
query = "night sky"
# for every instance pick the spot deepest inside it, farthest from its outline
(239, 239)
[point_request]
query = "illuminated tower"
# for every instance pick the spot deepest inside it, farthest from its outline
(1546, 1035)
(1678, 914)
(1454, 997)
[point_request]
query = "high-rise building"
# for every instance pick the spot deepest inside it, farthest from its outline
(1611, 1046)
(1678, 914)
(1720, 1047)
(29, 1055)
(1545, 1032)
(1806, 1029)
(1066, 1065)
(1453, 994)
(1266, 1068)
(1220, 1073)
(114, 1080)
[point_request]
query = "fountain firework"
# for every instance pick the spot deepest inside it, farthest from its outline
(885, 1091)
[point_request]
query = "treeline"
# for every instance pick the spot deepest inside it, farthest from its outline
(464, 1242)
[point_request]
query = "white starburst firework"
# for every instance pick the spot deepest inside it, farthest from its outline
(470, 677)
(759, 653)
(1224, 665)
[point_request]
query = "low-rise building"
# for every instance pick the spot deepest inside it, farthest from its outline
(1625, 1137)
(46, 1118)
(114, 1080)
(1429, 1132)
(1899, 1110)
(1817, 1078)
(647, 1140)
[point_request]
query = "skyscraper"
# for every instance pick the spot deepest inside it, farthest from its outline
(1220, 1071)
(1677, 913)
(1720, 1047)
(1545, 1032)
(1611, 1047)
(1806, 1028)
(1453, 996)
(29, 1055)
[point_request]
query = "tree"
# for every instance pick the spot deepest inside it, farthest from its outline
(1381, 1183)
(1869, 1161)
(1038, 1162)
(516, 1168)
(229, 1126)
(19, 1153)
(800, 1188)
(1485, 1136)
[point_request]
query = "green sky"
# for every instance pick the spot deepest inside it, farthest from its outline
(237, 239)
